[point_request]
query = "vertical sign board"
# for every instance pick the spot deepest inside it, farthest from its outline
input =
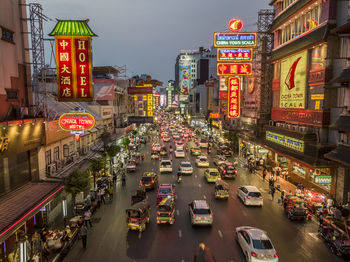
(74, 70)
(233, 98)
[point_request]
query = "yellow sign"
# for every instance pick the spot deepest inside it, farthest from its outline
(144, 98)
(293, 81)
(4, 143)
(317, 97)
(285, 141)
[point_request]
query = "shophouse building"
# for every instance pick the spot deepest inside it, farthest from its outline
(340, 114)
(297, 136)
(24, 199)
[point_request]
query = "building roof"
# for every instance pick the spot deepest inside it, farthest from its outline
(287, 13)
(340, 155)
(21, 204)
(302, 42)
(72, 27)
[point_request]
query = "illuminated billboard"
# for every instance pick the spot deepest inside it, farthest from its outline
(241, 69)
(293, 81)
(234, 54)
(214, 115)
(234, 39)
(233, 98)
(76, 122)
(185, 79)
(223, 84)
(235, 25)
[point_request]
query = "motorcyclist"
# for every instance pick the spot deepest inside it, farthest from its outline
(179, 175)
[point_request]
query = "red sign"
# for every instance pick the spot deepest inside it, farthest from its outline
(311, 117)
(242, 69)
(214, 115)
(222, 95)
(76, 121)
(74, 70)
(235, 25)
(233, 101)
(234, 54)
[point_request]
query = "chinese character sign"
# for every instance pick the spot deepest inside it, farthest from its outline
(234, 54)
(242, 69)
(74, 70)
(233, 98)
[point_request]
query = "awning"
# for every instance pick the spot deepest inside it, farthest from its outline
(340, 155)
(302, 42)
(93, 130)
(344, 29)
(342, 123)
(18, 206)
(85, 133)
(343, 77)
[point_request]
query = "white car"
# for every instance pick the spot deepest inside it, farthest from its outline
(156, 147)
(255, 244)
(179, 152)
(186, 167)
(165, 166)
(250, 195)
(202, 161)
(200, 213)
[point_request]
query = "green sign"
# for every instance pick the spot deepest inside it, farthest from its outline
(323, 180)
(285, 141)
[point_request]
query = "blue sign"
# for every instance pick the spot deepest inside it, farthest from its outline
(234, 39)
(285, 141)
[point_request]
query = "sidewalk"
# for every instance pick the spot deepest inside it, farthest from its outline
(284, 185)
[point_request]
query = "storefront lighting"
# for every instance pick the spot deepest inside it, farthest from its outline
(22, 250)
(64, 207)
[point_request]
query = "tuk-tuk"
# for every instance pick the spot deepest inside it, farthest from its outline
(137, 216)
(295, 208)
(221, 189)
(166, 211)
(336, 236)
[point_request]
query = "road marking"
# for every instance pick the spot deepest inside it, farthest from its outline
(204, 197)
(314, 236)
(199, 185)
(195, 176)
(244, 213)
(173, 176)
(220, 234)
(178, 212)
(180, 233)
(140, 234)
(182, 260)
(232, 196)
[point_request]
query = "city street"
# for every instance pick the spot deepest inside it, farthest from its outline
(109, 239)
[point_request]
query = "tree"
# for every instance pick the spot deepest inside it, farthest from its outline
(134, 132)
(112, 151)
(106, 138)
(125, 142)
(97, 164)
(78, 182)
(232, 138)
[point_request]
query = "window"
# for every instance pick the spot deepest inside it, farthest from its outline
(345, 47)
(11, 94)
(65, 150)
(7, 35)
(48, 157)
(56, 153)
(71, 147)
(298, 169)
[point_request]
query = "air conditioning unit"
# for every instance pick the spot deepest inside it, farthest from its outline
(59, 165)
(51, 169)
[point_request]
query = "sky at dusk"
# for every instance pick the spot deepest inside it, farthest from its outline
(146, 35)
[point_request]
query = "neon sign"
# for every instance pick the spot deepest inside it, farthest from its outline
(235, 25)
(234, 54)
(76, 122)
(242, 69)
(214, 115)
(233, 98)
(234, 39)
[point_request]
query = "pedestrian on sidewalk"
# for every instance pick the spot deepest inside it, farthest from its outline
(103, 192)
(110, 192)
(264, 174)
(83, 235)
(87, 217)
(114, 177)
(283, 192)
(99, 199)
(273, 190)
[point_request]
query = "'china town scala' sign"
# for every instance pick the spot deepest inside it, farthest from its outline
(76, 122)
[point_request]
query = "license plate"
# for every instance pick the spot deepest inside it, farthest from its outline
(133, 228)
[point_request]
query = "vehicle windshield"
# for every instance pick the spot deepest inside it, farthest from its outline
(196, 149)
(213, 173)
(133, 214)
(185, 165)
(164, 191)
(201, 211)
(254, 194)
(179, 150)
(164, 208)
(203, 159)
(147, 179)
(165, 164)
(230, 168)
(262, 244)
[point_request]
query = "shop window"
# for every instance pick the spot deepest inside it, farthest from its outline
(71, 147)
(65, 150)
(48, 157)
(321, 177)
(318, 57)
(299, 170)
(57, 153)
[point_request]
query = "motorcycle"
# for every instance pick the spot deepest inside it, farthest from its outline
(179, 179)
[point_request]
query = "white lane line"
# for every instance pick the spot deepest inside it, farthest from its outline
(177, 212)
(182, 260)
(244, 213)
(195, 176)
(220, 234)
(180, 233)
(204, 197)
(199, 185)
(232, 196)
(140, 234)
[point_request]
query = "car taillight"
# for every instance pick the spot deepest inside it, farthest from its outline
(158, 213)
(248, 197)
(275, 255)
(254, 254)
(169, 213)
(211, 215)
(152, 181)
(235, 171)
(260, 197)
(193, 215)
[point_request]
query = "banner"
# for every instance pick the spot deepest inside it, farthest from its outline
(233, 99)
(74, 68)
(286, 141)
(293, 81)
(185, 79)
